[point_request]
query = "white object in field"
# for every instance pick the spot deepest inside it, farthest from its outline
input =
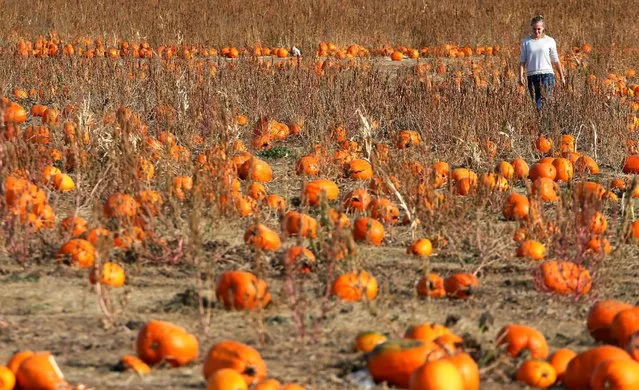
(296, 52)
(361, 378)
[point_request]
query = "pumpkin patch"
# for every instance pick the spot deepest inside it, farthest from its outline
(326, 195)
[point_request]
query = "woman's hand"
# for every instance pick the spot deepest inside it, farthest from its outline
(521, 80)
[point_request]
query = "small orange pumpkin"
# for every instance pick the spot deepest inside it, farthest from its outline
(354, 286)
(80, 252)
(461, 285)
(226, 379)
(518, 338)
(160, 341)
(367, 341)
(431, 285)
(368, 230)
(240, 357)
(112, 274)
(262, 237)
(313, 191)
(537, 373)
(422, 248)
(531, 249)
(560, 360)
(242, 290)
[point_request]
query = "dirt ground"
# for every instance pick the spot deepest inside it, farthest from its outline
(55, 308)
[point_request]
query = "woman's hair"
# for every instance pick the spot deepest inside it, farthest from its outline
(537, 19)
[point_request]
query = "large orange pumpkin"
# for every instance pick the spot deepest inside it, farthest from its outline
(581, 368)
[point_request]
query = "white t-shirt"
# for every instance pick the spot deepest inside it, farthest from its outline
(537, 54)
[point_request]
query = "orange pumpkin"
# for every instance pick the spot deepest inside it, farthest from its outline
(624, 324)
(422, 248)
(240, 357)
(468, 369)
(461, 285)
(358, 199)
(586, 164)
(256, 170)
(543, 144)
(531, 249)
(517, 207)
(367, 341)
(160, 341)
(242, 290)
(631, 164)
(431, 285)
(436, 375)
(16, 360)
(368, 230)
(313, 191)
(537, 373)
(308, 165)
(565, 277)
(518, 338)
(75, 225)
(384, 210)
(299, 258)
(130, 362)
(7, 378)
(299, 224)
(120, 205)
(565, 170)
(543, 169)
(359, 169)
(80, 252)
(521, 168)
(40, 371)
(14, 113)
(226, 379)
(426, 332)
(581, 368)
(560, 360)
(616, 374)
(262, 237)
(600, 318)
(354, 286)
(112, 274)
(268, 384)
(394, 361)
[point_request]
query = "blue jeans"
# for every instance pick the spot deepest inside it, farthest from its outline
(540, 85)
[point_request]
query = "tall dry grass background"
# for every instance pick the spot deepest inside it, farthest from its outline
(455, 123)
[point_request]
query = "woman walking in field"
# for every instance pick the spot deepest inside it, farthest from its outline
(538, 53)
